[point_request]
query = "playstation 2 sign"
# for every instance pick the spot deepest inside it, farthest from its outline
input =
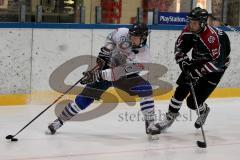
(172, 18)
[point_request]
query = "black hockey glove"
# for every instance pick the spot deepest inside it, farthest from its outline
(91, 77)
(190, 71)
(182, 59)
(104, 57)
(187, 66)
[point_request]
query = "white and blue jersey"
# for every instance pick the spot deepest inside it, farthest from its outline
(118, 40)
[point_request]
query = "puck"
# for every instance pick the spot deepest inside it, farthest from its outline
(14, 139)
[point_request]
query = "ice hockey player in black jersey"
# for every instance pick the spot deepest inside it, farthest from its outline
(209, 60)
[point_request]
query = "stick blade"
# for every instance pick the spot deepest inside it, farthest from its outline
(201, 144)
(9, 137)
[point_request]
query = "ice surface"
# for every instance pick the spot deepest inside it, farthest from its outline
(120, 135)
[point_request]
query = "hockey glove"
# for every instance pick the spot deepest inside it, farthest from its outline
(190, 71)
(184, 62)
(91, 77)
(104, 56)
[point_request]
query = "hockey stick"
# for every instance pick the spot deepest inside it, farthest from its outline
(11, 137)
(201, 144)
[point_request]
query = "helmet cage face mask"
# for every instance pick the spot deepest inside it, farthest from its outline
(139, 30)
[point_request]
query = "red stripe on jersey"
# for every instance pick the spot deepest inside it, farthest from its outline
(210, 39)
(178, 54)
(186, 29)
(179, 40)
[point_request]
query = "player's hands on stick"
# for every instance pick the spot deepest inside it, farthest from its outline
(90, 77)
(187, 67)
(104, 57)
(189, 70)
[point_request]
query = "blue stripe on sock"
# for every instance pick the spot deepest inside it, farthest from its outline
(146, 102)
(69, 112)
(144, 108)
(72, 109)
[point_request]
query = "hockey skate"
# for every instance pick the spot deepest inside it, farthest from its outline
(150, 125)
(202, 118)
(147, 124)
(149, 120)
(164, 124)
(55, 125)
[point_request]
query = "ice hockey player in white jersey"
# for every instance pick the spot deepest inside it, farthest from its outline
(120, 60)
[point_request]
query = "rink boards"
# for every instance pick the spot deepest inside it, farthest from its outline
(30, 55)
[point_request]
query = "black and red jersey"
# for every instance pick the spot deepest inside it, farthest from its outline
(210, 49)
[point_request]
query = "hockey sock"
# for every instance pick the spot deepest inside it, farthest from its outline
(174, 105)
(147, 108)
(69, 111)
(202, 108)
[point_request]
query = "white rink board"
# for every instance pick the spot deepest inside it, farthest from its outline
(15, 60)
(50, 48)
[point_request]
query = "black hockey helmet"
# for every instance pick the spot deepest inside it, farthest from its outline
(199, 14)
(139, 30)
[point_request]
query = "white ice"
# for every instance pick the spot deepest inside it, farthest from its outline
(115, 138)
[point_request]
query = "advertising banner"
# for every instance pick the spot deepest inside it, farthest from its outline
(172, 18)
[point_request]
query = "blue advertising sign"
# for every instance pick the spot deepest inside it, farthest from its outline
(172, 18)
